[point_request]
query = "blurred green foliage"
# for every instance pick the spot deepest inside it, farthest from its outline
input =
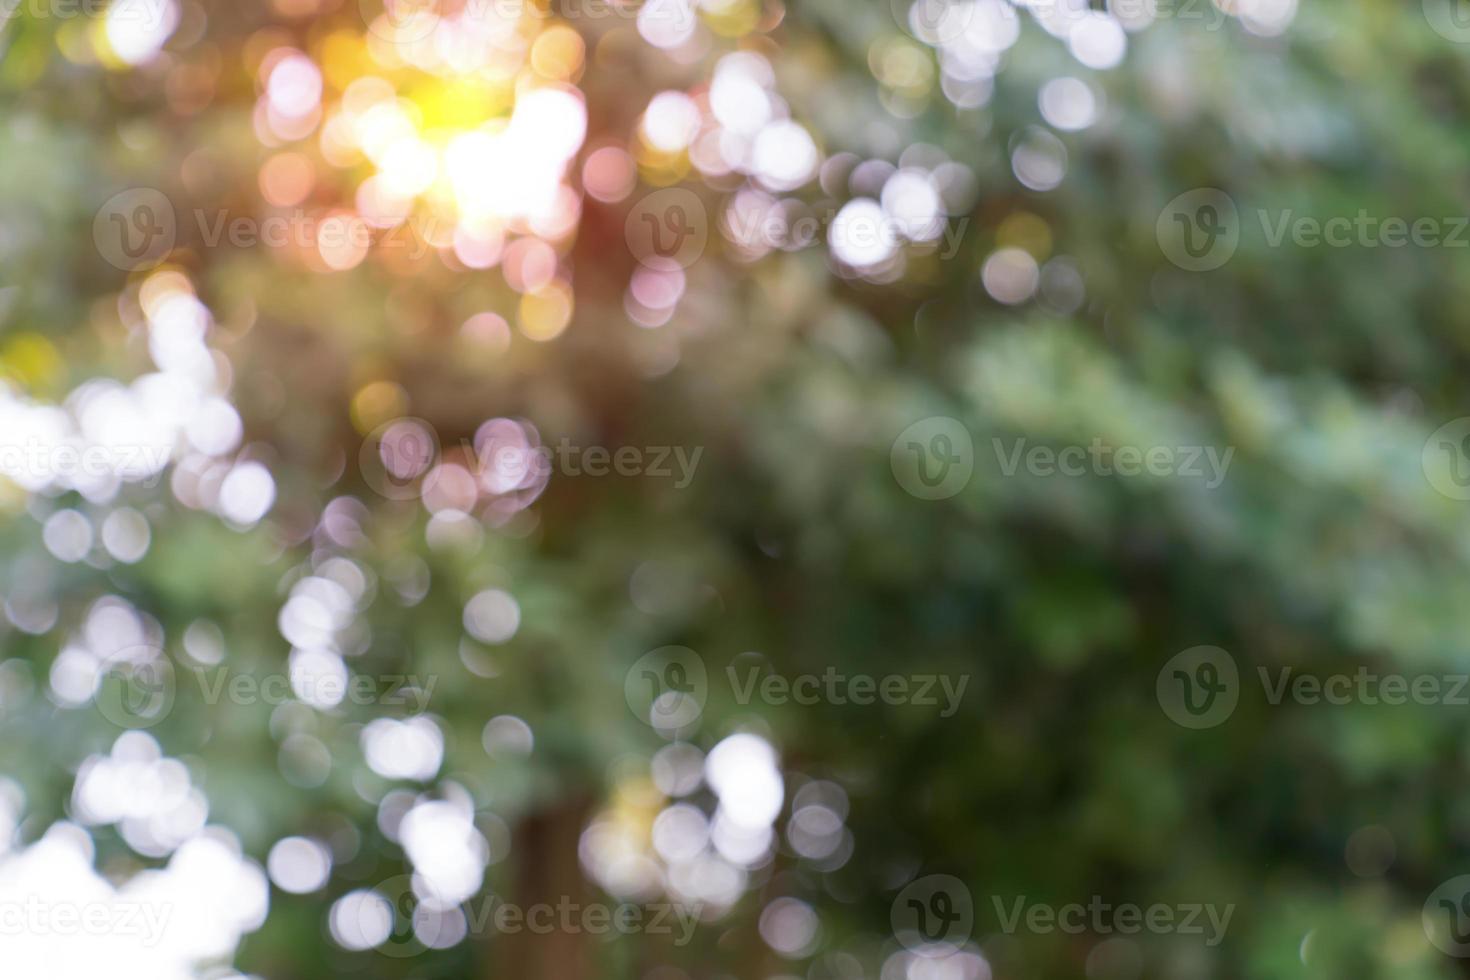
(1059, 778)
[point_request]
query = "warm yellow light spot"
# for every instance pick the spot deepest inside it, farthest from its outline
(363, 93)
(343, 58)
(658, 167)
(462, 103)
(530, 265)
(558, 53)
(545, 314)
(732, 18)
(452, 140)
(13, 497)
(901, 64)
(1025, 230)
(81, 46)
(160, 286)
(377, 402)
(32, 360)
(636, 801)
(295, 8)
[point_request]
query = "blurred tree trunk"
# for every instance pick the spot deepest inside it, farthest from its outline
(547, 872)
